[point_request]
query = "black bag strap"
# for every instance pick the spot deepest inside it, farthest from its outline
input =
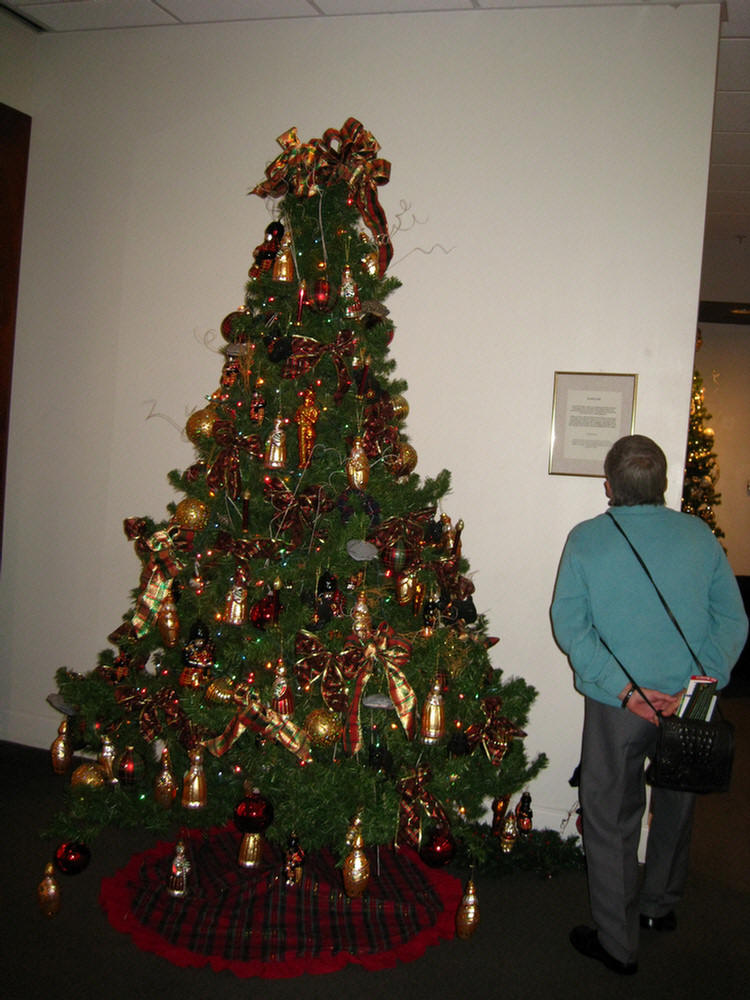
(667, 608)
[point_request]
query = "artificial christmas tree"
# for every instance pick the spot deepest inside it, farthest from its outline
(304, 625)
(699, 494)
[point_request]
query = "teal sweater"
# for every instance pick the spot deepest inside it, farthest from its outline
(601, 590)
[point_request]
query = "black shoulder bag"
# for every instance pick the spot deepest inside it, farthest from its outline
(692, 755)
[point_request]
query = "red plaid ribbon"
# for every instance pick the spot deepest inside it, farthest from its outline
(224, 472)
(417, 800)
(298, 512)
(261, 719)
(307, 352)
(496, 733)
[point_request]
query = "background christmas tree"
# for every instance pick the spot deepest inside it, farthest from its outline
(699, 494)
(303, 643)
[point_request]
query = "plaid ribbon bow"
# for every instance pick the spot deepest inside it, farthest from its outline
(307, 352)
(347, 155)
(360, 661)
(161, 567)
(496, 733)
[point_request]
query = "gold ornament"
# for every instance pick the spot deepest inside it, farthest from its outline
(369, 255)
(509, 835)
(402, 462)
(165, 786)
(405, 583)
(467, 915)
(283, 265)
(358, 466)
(60, 752)
(361, 620)
(191, 514)
(306, 418)
(499, 809)
(107, 756)
(48, 892)
(356, 870)
(194, 783)
(400, 408)
(177, 883)
(200, 424)
(220, 691)
(323, 727)
(235, 604)
(169, 622)
(275, 454)
(251, 850)
(433, 717)
(350, 294)
(88, 775)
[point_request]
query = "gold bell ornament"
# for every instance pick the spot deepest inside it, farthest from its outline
(48, 892)
(194, 782)
(165, 786)
(358, 466)
(283, 265)
(356, 870)
(433, 717)
(177, 882)
(467, 915)
(60, 751)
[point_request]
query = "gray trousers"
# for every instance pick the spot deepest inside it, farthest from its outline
(613, 798)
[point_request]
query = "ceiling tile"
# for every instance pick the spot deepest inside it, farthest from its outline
(85, 15)
(731, 147)
(732, 111)
(734, 64)
(210, 11)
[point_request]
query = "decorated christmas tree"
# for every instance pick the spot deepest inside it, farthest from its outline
(699, 494)
(303, 655)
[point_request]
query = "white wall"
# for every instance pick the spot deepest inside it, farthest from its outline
(724, 363)
(536, 151)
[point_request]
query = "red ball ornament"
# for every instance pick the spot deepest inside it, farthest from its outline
(439, 849)
(72, 857)
(253, 814)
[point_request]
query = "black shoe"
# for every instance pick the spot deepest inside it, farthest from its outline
(666, 923)
(586, 941)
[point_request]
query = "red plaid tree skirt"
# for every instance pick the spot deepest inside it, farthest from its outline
(250, 922)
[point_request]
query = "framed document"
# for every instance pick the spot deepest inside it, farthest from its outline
(590, 411)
